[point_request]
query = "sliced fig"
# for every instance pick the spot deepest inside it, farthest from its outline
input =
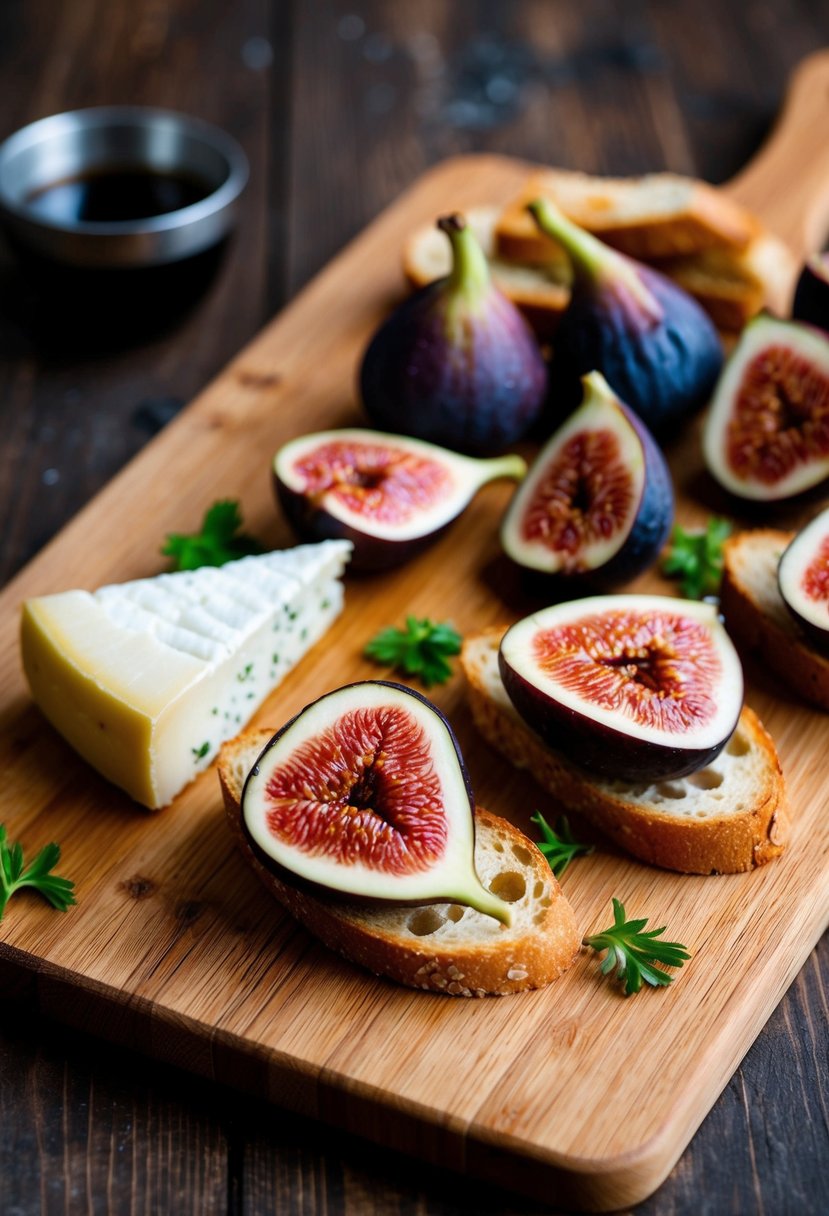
(630, 687)
(811, 295)
(653, 343)
(766, 436)
(598, 501)
(456, 363)
(365, 792)
(803, 578)
(390, 495)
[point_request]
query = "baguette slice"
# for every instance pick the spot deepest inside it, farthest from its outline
(438, 947)
(541, 291)
(758, 619)
(659, 215)
(734, 285)
(728, 817)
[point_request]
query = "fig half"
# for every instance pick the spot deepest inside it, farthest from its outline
(650, 339)
(634, 688)
(365, 793)
(598, 501)
(766, 436)
(803, 579)
(390, 496)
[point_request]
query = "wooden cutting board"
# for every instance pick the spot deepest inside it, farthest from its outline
(573, 1094)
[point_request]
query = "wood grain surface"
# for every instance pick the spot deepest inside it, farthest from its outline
(233, 1158)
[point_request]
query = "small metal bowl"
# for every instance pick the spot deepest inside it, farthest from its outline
(81, 143)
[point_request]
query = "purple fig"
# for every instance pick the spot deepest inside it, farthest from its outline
(811, 295)
(652, 342)
(456, 364)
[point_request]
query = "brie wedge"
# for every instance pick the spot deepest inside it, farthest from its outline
(146, 679)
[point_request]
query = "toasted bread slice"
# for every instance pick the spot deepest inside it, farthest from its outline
(660, 215)
(730, 816)
(438, 947)
(542, 292)
(734, 285)
(758, 619)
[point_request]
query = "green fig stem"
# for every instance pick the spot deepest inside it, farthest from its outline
(484, 901)
(469, 277)
(514, 467)
(591, 258)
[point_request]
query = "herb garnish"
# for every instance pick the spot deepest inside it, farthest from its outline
(220, 539)
(696, 558)
(57, 890)
(632, 952)
(558, 844)
(418, 650)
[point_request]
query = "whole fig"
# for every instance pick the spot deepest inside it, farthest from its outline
(650, 340)
(456, 364)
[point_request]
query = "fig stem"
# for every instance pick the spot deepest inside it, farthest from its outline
(513, 466)
(592, 259)
(469, 276)
(487, 903)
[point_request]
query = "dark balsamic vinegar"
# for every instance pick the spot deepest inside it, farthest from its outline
(109, 196)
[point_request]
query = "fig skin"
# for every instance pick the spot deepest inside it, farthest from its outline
(655, 345)
(651, 524)
(450, 874)
(598, 746)
(456, 363)
(811, 295)
(308, 516)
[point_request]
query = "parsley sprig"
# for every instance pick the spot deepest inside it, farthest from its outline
(632, 952)
(219, 540)
(13, 876)
(421, 649)
(558, 844)
(696, 558)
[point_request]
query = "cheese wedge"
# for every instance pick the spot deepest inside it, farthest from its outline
(146, 679)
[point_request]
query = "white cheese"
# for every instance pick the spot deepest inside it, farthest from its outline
(146, 679)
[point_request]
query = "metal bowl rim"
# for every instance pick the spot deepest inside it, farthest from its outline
(102, 116)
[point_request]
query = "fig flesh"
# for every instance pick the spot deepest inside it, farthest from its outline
(365, 793)
(634, 688)
(456, 363)
(811, 295)
(803, 579)
(389, 495)
(651, 341)
(766, 436)
(598, 502)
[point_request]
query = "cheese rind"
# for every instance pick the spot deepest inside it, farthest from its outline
(146, 679)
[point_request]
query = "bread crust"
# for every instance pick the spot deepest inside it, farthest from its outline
(776, 638)
(498, 967)
(724, 845)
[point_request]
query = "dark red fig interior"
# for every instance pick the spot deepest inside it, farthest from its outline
(781, 417)
(583, 495)
(363, 790)
(657, 671)
(383, 483)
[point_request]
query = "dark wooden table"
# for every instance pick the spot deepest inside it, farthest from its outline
(339, 104)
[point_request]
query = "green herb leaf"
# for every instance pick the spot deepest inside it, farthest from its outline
(219, 540)
(632, 952)
(558, 844)
(696, 558)
(421, 649)
(13, 876)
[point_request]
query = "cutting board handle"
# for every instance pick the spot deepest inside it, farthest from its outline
(787, 182)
